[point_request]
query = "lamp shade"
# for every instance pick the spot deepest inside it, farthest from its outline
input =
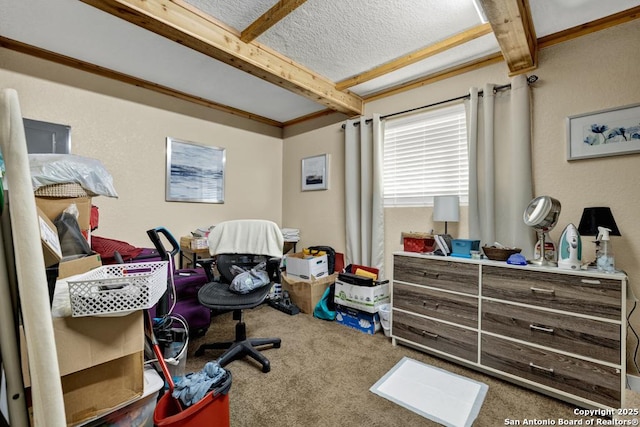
(595, 217)
(446, 208)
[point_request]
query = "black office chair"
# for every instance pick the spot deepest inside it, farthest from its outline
(244, 243)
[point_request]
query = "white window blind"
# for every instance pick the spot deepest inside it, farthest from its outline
(425, 155)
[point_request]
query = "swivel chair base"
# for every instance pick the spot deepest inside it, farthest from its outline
(241, 346)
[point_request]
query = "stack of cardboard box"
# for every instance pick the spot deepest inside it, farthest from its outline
(358, 298)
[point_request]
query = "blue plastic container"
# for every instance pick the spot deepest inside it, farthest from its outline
(462, 247)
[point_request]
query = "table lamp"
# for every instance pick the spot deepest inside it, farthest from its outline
(446, 208)
(594, 217)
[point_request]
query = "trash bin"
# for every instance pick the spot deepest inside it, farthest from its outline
(212, 410)
(384, 311)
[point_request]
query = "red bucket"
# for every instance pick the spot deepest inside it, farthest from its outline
(212, 410)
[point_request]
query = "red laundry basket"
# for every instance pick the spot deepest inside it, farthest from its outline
(211, 411)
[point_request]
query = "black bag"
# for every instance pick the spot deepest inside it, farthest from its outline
(331, 256)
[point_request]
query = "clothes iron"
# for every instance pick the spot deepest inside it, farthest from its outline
(570, 254)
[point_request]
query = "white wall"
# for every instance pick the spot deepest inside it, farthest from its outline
(126, 128)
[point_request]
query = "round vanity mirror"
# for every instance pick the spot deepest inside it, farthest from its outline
(542, 215)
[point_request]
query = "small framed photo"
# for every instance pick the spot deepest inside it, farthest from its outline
(195, 172)
(315, 174)
(611, 132)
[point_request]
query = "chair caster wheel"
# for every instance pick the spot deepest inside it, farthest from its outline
(276, 345)
(266, 368)
(199, 352)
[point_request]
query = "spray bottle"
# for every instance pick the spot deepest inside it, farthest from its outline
(604, 259)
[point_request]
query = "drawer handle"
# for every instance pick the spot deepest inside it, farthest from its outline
(543, 291)
(541, 368)
(590, 281)
(436, 305)
(541, 329)
(429, 334)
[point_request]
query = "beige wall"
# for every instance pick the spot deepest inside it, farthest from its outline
(126, 128)
(591, 73)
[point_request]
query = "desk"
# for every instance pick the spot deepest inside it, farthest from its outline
(191, 256)
(288, 246)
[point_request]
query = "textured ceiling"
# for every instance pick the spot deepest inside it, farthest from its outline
(333, 39)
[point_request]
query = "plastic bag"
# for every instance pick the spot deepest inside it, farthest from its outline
(326, 307)
(72, 241)
(90, 174)
(248, 281)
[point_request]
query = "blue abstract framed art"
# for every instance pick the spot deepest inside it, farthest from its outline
(195, 172)
(611, 132)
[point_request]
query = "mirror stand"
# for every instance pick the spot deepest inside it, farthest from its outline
(541, 259)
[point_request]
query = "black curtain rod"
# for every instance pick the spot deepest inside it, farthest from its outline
(530, 79)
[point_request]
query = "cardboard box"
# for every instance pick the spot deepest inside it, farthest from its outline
(101, 361)
(51, 248)
(78, 266)
(306, 293)
(365, 298)
(369, 323)
(306, 266)
(54, 206)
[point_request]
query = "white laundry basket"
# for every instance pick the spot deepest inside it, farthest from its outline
(385, 318)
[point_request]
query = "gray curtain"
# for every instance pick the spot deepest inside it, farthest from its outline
(363, 193)
(500, 171)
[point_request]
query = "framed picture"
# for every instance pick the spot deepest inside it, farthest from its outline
(195, 173)
(611, 132)
(315, 173)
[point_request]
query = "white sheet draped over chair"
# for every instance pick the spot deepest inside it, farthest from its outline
(500, 170)
(363, 193)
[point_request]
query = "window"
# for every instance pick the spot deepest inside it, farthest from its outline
(425, 155)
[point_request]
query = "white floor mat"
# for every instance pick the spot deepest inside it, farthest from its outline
(443, 397)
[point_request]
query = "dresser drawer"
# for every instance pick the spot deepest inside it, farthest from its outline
(441, 305)
(588, 380)
(449, 275)
(440, 336)
(586, 337)
(578, 294)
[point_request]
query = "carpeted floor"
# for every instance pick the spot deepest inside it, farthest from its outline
(322, 374)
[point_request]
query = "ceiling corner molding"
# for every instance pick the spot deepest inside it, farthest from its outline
(171, 20)
(512, 25)
(125, 78)
(590, 27)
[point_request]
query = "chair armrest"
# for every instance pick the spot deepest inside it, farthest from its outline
(273, 269)
(207, 265)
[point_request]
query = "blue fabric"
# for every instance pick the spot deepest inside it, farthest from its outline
(322, 310)
(194, 386)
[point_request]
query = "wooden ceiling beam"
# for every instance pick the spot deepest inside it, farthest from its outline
(271, 17)
(513, 27)
(170, 19)
(419, 55)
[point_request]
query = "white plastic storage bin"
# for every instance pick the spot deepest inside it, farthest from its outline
(118, 288)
